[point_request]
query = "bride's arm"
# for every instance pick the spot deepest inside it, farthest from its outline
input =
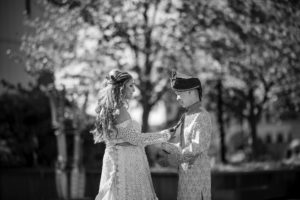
(131, 135)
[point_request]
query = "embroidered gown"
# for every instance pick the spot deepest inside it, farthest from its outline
(125, 171)
(194, 140)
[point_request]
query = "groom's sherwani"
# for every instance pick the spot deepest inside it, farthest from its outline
(194, 142)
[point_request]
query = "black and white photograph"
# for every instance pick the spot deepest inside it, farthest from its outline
(150, 100)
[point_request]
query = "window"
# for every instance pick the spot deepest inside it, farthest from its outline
(279, 138)
(268, 117)
(290, 137)
(268, 138)
(28, 7)
(59, 2)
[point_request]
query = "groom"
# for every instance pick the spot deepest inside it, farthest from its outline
(189, 149)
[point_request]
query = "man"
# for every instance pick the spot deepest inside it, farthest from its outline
(190, 152)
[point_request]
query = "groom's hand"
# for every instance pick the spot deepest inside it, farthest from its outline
(192, 159)
(163, 158)
(163, 162)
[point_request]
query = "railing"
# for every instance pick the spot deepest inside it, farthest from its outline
(39, 184)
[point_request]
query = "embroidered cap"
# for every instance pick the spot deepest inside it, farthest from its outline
(181, 82)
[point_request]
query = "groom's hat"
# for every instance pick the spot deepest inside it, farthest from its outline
(181, 82)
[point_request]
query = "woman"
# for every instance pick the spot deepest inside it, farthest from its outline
(125, 171)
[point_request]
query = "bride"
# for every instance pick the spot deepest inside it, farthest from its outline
(125, 171)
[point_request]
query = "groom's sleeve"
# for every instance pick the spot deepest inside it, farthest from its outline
(201, 136)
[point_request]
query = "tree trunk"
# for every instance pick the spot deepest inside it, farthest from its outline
(145, 128)
(78, 177)
(61, 175)
(78, 171)
(57, 113)
(253, 123)
(145, 117)
(221, 121)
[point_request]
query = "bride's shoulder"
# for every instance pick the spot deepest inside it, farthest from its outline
(124, 123)
(123, 117)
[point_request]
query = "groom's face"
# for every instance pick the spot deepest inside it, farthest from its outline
(183, 98)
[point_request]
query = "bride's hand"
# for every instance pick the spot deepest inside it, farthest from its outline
(172, 132)
(164, 131)
(169, 132)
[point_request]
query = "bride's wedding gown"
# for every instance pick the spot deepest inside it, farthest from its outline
(125, 171)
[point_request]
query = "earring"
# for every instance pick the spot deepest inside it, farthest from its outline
(123, 95)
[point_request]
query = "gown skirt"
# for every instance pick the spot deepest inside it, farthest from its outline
(125, 174)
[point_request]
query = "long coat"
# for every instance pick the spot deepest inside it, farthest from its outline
(191, 155)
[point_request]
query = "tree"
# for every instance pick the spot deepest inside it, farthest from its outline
(82, 40)
(27, 138)
(55, 45)
(269, 38)
(254, 42)
(139, 36)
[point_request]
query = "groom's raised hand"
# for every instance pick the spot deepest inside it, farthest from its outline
(163, 158)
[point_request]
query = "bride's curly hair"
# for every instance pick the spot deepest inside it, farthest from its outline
(111, 99)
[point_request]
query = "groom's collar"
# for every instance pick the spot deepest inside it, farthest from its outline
(194, 107)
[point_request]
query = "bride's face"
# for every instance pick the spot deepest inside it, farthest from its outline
(129, 89)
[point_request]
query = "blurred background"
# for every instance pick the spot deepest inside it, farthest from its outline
(54, 55)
